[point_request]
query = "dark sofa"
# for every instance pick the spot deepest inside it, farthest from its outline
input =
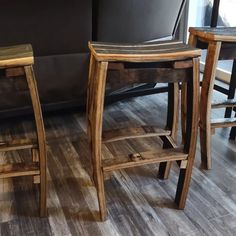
(59, 32)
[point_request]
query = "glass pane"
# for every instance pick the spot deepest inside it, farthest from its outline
(200, 13)
(227, 13)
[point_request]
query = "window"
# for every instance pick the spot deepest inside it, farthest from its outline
(200, 15)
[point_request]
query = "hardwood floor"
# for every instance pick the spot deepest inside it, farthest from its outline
(138, 203)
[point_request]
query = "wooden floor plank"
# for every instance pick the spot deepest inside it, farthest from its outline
(138, 203)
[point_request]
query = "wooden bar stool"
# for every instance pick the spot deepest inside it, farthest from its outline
(178, 63)
(17, 61)
(221, 45)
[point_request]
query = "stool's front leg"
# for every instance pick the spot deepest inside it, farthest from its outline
(89, 105)
(97, 99)
(191, 135)
(205, 102)
(40, 136)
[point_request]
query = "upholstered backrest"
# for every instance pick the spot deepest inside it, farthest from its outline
(51, 26)
(135, 20)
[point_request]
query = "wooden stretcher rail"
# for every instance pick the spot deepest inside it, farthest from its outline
(19, 169)
(131, 133)
(138, 159)
(17, 145)
(224, 122)
(224, 103)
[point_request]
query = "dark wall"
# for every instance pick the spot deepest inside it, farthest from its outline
(59, 31)
(51, 26)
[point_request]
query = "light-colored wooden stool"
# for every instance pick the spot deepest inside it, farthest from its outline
(221, 45)
(18, 61)
(178, 63)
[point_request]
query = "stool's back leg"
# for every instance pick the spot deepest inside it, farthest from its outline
(191, 135)
(231, 92)
(172, 124)
(193, 42)
(183, 110)
(97, 99)
(232, 135)
(205, 101)
(35, 158)
(41, 137)
(173, 110)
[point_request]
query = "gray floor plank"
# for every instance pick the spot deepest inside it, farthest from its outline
(138, 203)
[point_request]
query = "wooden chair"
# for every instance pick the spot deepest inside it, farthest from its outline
(221, 45)
(18, 61)
(177, 63)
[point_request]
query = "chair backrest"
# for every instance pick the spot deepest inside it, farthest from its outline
(135, 20)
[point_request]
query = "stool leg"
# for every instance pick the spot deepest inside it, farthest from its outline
(193, 42)
(90, 91)
(35, 158)
(41, 137)
(205, 102)
(183, 110)
(232, 87)
(96, 114)
(172, 124)
(191, 135)
(89, 105)
(231, 95)
(232, 135)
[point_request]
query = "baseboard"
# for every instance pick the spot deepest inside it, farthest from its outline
(221, 74)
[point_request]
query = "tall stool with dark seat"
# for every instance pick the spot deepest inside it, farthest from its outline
(177, 63)
(18, 61)
(221, 45)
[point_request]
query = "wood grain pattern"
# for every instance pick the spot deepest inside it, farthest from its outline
(223, 122)
(136, 132)
(192, 121)
(16, 56)
(137, 202)
(158, 52)
(147, 75)
(21, 59)
(41, 137)
(19, 169)
(226, 34)
(17, 145)
(221, 41)
(14, 72)
(143, 158)
(95, 122)
(205, 102)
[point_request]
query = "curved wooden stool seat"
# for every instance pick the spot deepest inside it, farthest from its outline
(221, 45)
(178, 63)
(17, 61)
